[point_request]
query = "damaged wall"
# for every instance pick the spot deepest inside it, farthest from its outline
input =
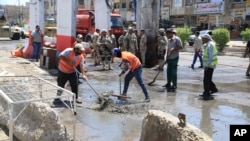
(160, 126)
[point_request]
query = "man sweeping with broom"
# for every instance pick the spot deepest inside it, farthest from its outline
(134, 70)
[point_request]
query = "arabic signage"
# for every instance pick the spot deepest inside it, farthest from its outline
(207, 8)
(237, 13)
(248, 7)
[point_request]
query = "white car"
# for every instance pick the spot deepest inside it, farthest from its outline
(202, 32)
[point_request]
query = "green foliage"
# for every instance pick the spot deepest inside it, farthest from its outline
(245, 34)
(183, 33)
(221, 36)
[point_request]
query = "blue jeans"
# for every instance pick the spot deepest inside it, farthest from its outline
(36, 50)
(197, 54)
(137, 74)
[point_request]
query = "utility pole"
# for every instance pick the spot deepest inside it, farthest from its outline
(19, 12)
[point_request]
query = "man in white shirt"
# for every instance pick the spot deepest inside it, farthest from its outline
(197, 50)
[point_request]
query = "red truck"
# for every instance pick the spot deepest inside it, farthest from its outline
(85, 23)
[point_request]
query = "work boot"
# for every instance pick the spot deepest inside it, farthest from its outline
(79, 101)
(147, 100)
(173, 88)
(192, 66)
(167, 85)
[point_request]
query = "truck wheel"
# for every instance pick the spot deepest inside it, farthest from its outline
(16, 36)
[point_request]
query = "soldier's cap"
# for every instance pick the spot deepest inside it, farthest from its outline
(170, 30)
(206, 36)
(116, 50)
(79, 36)
(104, 30)
(79, 46)
(130, 28)
(161, 30)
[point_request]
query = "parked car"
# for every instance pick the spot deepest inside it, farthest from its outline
(202, 32)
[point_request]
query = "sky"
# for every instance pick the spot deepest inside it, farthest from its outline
(13, 2)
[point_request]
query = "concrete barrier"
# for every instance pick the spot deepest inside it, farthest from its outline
(160, 126)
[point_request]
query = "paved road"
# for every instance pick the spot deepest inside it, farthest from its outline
(231, 106)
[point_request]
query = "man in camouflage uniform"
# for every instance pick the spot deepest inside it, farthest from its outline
(121, 41)
(112, 37)
(131, 41)
(162, 46)
(143, 46)
(95, 46)
(105, 44)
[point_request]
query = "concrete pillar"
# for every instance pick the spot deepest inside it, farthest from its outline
(102, 14)
(36, 17)
(66, 24)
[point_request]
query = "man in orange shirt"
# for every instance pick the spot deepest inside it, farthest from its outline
(134, 69)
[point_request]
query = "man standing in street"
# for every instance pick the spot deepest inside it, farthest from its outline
(162, 47)
(105, 43)
(197, 50)
(134, 69)
(143, 47)
(36, 40)
(210, 61)
(172, 58)
(131, 41)
(121, 41)
(95, 47)
(247, 52)
(68, 60)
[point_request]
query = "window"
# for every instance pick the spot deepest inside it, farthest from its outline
(123, 5)
(189, 2)
(116, 5)
(80, 2)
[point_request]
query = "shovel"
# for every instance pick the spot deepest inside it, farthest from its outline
(151, 83)
(89, 84)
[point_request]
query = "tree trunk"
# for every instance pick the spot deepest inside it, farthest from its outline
(147, 17)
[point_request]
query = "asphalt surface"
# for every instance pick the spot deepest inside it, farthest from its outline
(230, 105)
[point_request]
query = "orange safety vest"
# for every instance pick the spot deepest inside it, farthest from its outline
(132, 59)
(65, 67)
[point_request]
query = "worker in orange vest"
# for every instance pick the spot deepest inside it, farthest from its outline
(68, 60)
(133, 69)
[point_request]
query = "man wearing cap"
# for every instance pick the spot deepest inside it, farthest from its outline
(197, 50)
(172, 58)
(95, 46)
(134, 70)
(105, 44)
(143, 46)
(131, 41)
(210, 61)
(68, 60)
(112, 37)
(121, 41)
(162, 47)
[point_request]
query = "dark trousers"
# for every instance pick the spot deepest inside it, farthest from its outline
(207, 81)
(172, 71)
(137, 74)
(62, 78)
